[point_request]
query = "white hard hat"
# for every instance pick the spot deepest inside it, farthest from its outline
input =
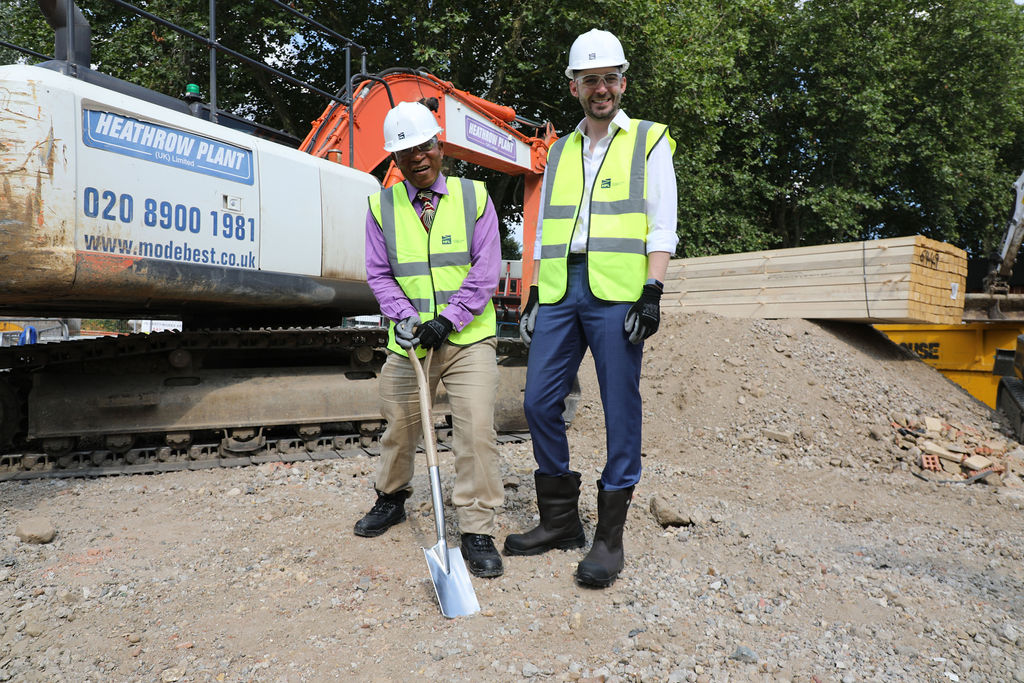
(595, 49)
(407, 125)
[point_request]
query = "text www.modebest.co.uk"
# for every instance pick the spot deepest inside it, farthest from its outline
(170, 250)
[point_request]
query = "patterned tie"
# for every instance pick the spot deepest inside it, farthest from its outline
(427, 212)
(426, 197)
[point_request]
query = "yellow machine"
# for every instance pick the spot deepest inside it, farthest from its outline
(964, 353)
(970, 353)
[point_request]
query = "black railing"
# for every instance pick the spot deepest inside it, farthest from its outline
(343, 97)
(214, 45)
(25, 50)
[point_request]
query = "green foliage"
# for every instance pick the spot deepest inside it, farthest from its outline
(24, 25)
(797, 121)
(864, 118)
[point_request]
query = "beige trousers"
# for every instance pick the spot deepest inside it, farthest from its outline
(470, 375)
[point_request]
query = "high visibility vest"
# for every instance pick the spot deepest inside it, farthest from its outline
(430, 267)
(617, 239)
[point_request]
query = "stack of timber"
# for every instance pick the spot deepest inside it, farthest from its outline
(903, 279)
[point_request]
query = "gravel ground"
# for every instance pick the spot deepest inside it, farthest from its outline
(783, 531)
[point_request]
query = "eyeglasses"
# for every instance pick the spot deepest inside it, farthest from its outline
(592, 80)
(422, 147)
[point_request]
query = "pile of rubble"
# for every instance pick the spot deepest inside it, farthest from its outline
(958, 454)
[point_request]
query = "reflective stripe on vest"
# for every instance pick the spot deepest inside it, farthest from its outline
(617, 238)
(431, 267)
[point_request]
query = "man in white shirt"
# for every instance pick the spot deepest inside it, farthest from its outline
(606, 231)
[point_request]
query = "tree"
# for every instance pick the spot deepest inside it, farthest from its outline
(865, 119)
(689, 62)
(137, 49)
(24, 26)
(796, 121)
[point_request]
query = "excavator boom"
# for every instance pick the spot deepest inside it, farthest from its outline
(996, 301)
(476, 130)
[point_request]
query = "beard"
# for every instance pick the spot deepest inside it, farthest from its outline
(603, 110)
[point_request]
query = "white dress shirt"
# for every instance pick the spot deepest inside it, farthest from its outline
(661, 192)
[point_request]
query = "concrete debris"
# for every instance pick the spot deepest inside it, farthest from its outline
(977, 462)
(665, 514)
(35, 530)
(778, 435)
(744, 654)
(958, 452)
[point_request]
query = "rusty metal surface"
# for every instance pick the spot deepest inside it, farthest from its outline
(36, 221)
(169, 288)
(123, 347)
(66, 404)
(979, 307)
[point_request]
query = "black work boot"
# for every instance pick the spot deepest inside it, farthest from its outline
(388, 511)
(560, 527)
(481, 555)
(603, 563)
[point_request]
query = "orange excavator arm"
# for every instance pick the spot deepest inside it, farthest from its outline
(475, 130)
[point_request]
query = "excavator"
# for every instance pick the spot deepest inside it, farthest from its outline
(983, 350)
(121, 202)
(1003, 304)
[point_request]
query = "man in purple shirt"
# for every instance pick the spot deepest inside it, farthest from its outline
(433, 255)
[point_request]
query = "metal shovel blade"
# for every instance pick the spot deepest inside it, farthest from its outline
(454, 591)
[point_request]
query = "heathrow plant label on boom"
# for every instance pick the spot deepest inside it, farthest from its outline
(490, 139)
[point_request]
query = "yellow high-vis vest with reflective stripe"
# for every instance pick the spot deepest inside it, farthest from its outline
(431, 267)
(617, 238)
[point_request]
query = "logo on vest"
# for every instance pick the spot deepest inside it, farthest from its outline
(606, 183)
(446, 239)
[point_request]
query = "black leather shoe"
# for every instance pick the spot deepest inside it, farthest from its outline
(388, 511)
(481, 555)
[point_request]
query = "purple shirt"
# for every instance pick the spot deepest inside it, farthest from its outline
(476, 290)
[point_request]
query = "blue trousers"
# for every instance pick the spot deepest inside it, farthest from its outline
(562, 333)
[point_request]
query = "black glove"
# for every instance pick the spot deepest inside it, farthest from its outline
(529, 316)
(404, 331)
(432, 333)
(645, 315)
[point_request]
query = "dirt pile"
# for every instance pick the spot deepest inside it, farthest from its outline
(796, 388)
(797, 543)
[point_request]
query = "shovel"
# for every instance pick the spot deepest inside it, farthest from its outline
(447, 568)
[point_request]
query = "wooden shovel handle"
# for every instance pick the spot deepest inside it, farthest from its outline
(426, 412)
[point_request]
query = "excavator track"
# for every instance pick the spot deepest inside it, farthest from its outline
(85, 408)
(1010, 400)
(102, 463)
(36, 356)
